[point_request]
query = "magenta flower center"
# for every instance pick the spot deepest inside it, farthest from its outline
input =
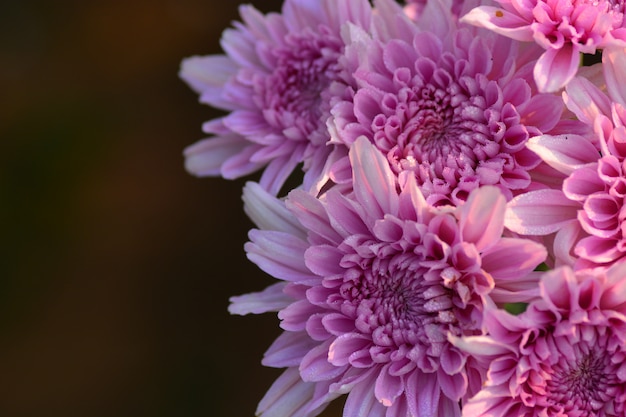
(293, 96)
(455, 133)
(406, 296)
(583, 379)
(395, 304)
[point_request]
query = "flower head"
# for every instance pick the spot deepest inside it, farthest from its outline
(454, 108)
(564, 356)
(591, 201)
(378, 280)
(564, 28)
(273, 80)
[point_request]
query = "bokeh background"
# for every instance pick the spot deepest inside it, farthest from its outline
(115, 264)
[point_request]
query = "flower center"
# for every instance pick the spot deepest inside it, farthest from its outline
(293, 96)
(584, 385)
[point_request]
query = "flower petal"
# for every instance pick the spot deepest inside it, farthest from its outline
(540, 212)
(555, 68)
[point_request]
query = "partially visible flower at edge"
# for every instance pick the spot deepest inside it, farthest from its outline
(564, 28)
(377, 280)
(273, 80)
(588, 213)
(564, 356)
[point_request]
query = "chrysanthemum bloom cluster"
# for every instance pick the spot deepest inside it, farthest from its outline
(564, 28)
(455, 171)
(564, 356)
(380, 281)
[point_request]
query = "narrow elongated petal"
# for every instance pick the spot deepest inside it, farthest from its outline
(269, 213)
(287, 395)
(270, 299)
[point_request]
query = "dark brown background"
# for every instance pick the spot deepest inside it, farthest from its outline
(115, 265)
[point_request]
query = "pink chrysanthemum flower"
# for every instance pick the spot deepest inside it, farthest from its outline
(454, 108)
(564, 356)
(273, 80)
(378, 279)
(588, 213)
(564, 28)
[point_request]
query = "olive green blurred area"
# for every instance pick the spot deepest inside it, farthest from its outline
(116, 265)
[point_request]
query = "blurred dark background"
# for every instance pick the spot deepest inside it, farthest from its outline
(115, 264)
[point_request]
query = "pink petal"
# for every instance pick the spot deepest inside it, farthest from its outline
(582, 183)
(598, 250)
(279, 254)
(614, 64)
(482, 217)
(564, 153)
(344, 346)
(271, 298)
(288, 350)
(586, 100)
(324, 260)
(500, 21)
(374, 183)
(312, 215)
(207, 72)
(480, 345)
(513, 258)
(422, 392)
(206, 157)
(555, 68)
(268, 212)
(316, 367)
(362, 402)
(540, 212)
(286, 396)
(388, 387)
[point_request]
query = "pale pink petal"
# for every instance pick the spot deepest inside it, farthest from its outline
(564, 242)
(206, 157)
(540, 212)
(614, 64)
(271, 298)
(597, 249)
(485, 346)
(268, 212)
(556, 67)
(204, 73)
(315, 365)
(481, 219)
(312, 215)
(374, 183)
(279, 254)
(564, 153)
(423, 394)
(586, 100)
(387, 387)
(513, 258)
(287, 396)
(288, 350)
(500, 21)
